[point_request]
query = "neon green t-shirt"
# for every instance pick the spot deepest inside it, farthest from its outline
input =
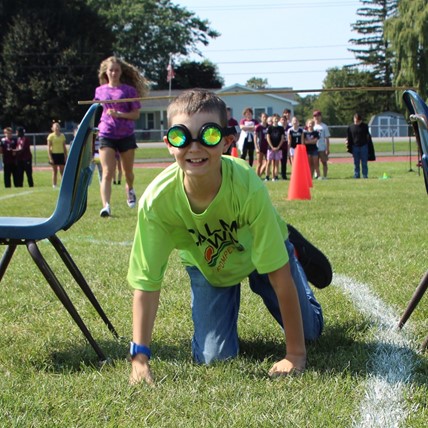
(239, 232)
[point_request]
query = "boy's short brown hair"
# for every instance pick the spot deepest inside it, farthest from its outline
(194, 101)
(7, 129)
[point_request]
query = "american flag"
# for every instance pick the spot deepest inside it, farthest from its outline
(171, 73)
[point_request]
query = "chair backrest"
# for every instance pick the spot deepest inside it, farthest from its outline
(73, 193)
(419, 118)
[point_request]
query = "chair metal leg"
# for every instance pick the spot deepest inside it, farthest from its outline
(417, 296)
(81, 281)
(61, 294)
(7, 255)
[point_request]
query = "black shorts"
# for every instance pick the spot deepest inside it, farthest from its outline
(121, 145)
(58, 158)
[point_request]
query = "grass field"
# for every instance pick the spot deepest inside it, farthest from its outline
(362, 371)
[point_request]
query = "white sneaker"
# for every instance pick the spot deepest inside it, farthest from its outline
(132, 198)
(106, 212)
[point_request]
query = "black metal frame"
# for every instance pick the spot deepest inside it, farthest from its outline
(419, 118)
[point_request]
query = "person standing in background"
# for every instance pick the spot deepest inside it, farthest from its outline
(358, 140)
(232, 123)
(275, 138)
(248, 125)
(57, 152)
(295, 136)
(24, 157)
(310, 139)
(261, 144)
(286, 123)
(8, 149)
(323, 143)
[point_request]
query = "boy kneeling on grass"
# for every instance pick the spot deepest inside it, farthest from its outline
(217, 212)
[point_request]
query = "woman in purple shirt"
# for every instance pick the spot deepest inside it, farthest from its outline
(116, 130)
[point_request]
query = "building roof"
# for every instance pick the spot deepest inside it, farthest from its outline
(159, 99)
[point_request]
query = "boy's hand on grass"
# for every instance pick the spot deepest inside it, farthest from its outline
(140, 371)
(290, 365)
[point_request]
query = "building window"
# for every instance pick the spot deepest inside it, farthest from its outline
(150, 121)
(258, 112)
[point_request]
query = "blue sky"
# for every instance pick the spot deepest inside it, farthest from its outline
(290, 42)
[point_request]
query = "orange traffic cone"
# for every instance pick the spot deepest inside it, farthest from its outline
(299, 183)
(302, 149)
(234, 152)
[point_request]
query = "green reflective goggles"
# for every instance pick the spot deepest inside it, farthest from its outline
(209, 135)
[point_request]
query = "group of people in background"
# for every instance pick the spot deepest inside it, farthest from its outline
(274, 140)
(17, 158)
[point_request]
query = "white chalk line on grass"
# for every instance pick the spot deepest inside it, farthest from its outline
(93, 241)
(391, 364)
(13, 195)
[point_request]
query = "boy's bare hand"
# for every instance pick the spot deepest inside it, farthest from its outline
(141, 372)
(291, 364)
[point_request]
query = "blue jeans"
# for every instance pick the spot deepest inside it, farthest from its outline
(215, 311)
(361, 154)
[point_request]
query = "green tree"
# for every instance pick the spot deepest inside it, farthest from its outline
(338, 107)
(306, 107)
(408, 33)
(148, 31)
(192, 74)
(372, 48)
(50, 52)
(257, 83)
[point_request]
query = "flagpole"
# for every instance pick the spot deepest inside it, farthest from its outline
(170, 74)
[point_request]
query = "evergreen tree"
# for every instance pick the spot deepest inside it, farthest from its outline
(408, 33)
(372, 48)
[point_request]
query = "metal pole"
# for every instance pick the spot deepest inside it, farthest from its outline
(410, 148)
(35, 150)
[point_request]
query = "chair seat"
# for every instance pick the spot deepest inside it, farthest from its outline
(29, 228)
(20, 221)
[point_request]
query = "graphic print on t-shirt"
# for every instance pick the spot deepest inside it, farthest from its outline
(219, 241)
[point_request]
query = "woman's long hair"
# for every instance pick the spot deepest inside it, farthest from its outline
(130, 75)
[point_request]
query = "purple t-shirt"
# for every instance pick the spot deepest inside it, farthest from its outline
(114, 127)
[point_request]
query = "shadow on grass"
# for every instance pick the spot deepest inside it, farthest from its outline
(337, 352)
(82, 355)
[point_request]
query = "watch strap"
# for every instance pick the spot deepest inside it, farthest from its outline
(139, 349)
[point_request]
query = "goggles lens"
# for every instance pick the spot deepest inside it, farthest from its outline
(209, 135)
(176, 137)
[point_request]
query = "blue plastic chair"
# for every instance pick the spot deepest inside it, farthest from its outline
(71, 205)
(418, 115)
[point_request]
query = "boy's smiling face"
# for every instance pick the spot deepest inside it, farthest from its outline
(197, 160)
